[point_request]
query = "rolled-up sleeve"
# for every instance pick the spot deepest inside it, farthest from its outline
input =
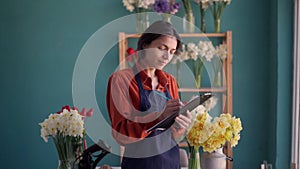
(122, 99)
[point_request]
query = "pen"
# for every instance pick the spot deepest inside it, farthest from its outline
(162, 95)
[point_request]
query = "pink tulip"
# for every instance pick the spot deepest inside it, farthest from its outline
(90, 112)
(83, 112)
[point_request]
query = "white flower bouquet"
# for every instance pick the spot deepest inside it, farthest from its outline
(67, 131)
(138, 5)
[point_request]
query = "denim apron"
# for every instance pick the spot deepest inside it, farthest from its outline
(158, 150)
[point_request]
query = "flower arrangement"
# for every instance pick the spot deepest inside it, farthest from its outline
(131, 57)
(189, 20)
(197, 54)
(166, 8)
(226, 128)
(138, 5)
(204, 50)
(211, 133)
(203, 6)
(67, 131)
(218, 7)
(221, 54)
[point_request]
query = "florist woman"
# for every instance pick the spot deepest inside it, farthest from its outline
(141, 96)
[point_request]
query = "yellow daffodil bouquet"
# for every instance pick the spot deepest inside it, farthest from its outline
(211, 133)
(225, 128)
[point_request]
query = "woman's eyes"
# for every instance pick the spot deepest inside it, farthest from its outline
(164, 48)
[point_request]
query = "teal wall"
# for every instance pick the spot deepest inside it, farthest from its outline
(40, 42)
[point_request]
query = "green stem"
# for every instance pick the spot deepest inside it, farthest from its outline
(187, 6)
(194, 160)
(202, 13)
(197, 68)
(217, 79)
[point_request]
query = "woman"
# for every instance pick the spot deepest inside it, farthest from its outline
(141, 96)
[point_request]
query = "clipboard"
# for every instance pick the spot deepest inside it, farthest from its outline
(191, 105)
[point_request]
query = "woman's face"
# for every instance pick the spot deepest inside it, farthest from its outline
(159, 52)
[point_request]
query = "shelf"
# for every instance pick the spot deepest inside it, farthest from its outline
(185, 35)
(208, 89)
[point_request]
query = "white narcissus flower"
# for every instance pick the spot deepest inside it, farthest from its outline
(193, 51)
(202, 48)
(228, 1)
(132, 4)
(204, 3)
(221, 51)
(68, 123)
(129, 6)
(210, 103)
(206, 49)
(145, 3)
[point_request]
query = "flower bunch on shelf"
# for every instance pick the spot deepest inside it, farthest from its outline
(217, 7)
(203, 6)
(166, 8)
(138, 5)
(221, 54)
(66, 128)
(198, 53)
(187, 6)
(131, 57)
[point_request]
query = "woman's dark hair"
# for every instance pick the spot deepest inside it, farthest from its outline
(156, 30)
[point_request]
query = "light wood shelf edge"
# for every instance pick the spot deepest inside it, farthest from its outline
(208, 89)
(183, 35)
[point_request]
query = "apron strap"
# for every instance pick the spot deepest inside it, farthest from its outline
(144, 101)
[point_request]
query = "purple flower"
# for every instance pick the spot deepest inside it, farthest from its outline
(166, 6)
(161, 6)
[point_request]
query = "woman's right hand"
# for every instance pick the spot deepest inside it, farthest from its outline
(171, 107)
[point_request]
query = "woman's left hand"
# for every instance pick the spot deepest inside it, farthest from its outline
(182, 123)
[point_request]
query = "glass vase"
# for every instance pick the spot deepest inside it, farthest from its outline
(198, 81)
(142, 22)
(188, 23)
(217, 25)
(178, 74)
(202, 19)
(166, 17)
(197, 70)
(217, 79)
(65, 164)
(194, 159)
(214, 160)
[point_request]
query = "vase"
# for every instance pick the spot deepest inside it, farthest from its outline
(178, 74)
(65, 164)
(214, 160)
(197, 69)
(217, 25)
(166, 17)
(202, 19)
(217, 79)
(198, 81)
(188, 23)
(142, 22)
(194, 158)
